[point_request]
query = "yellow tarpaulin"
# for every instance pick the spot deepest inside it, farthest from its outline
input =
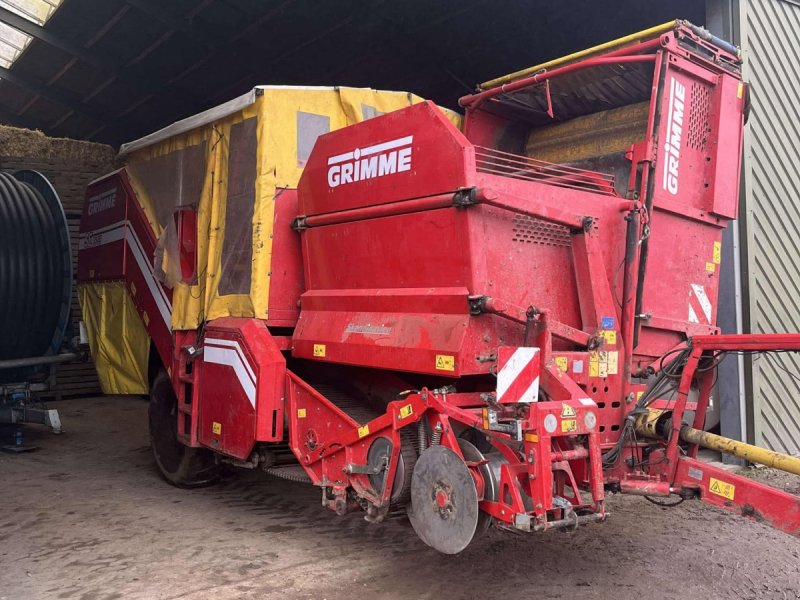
(117, 337)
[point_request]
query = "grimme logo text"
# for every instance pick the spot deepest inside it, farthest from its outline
(370, 162)
(672, 145)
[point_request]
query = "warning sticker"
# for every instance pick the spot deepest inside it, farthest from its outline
(711, 267)
(610, 336)
(301, 413)
(721, 488)
(562, 363)
(717, 257)
(613, 362)
(363, 431)
(445, 362)
(216, 428)
(406, 411)
(319, 350)
(568, 425)
(594, 364)
(598, 363)
(567, 410)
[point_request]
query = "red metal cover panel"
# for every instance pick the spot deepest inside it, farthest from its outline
(241, 381)
(102, 240)
(117, 242)
(405, 154)
(286, 269)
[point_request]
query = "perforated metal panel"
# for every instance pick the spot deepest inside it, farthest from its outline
(770, 42)
(530, 230)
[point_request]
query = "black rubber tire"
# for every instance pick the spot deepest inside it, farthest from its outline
(178, 464)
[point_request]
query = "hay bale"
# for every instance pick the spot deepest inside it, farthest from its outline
(23, 143)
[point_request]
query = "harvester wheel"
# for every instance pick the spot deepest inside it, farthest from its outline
(444, 502)
(379, 451)
(180, 465)
(490, 486)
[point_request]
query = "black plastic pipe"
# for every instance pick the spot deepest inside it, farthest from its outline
(35, 267)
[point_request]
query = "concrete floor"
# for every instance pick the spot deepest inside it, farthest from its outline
(86, 517)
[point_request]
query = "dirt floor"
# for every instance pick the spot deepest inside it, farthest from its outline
(87, 517)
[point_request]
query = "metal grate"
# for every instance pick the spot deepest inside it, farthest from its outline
(698, 117)
(495, 162)
(529, 230)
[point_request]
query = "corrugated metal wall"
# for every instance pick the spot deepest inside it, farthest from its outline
(770, 40)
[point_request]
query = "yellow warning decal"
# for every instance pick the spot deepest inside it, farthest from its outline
(363, 431)
(133, 289)
(594, 364)
(146, 318)
(610, 336)
(531, 437)
(717, 258)
(319, 350)
(567, 410)
(445, 362)
(603, 363)
(568, 425)
(711, 267)
(216, 428)
(301, 413)
(740, 91)
(406, 411)
(562, 363)
(721, 488)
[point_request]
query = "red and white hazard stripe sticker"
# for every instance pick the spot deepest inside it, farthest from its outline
(699, 305)
(517, 375)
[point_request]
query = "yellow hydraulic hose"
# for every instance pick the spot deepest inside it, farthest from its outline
(776, 460)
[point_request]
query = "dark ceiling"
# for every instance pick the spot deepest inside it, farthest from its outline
(114, 70)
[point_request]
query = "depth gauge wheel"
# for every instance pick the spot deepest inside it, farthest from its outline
(180, 465)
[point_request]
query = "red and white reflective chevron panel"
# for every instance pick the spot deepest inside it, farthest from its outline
(517, 375)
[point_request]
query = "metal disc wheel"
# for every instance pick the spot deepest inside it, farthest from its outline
(490, 487)
(179, 465)
(379, 453)
(444, 501)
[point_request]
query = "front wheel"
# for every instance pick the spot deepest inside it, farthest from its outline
(179, 464)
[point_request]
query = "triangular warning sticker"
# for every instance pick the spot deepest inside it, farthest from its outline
(567, 411)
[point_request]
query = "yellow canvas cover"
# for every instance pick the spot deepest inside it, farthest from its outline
(230, 169)
(117, 337)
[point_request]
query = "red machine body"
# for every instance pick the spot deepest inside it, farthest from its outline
(455, 290)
